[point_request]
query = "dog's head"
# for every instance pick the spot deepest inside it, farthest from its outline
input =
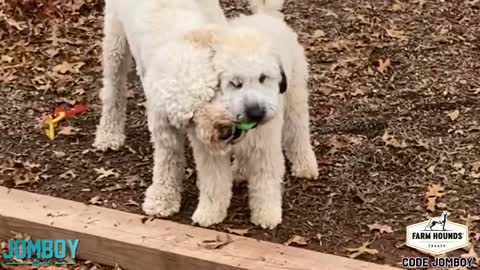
(214, 126)
(251, 78)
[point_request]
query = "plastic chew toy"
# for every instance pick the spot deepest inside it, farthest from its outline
(246, 125)
(58, 115)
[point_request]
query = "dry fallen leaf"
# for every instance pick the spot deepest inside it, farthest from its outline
(68, 174)
(52, 267)
(79, 92)
(324, 90)
(390, 140)
(399, 34)
(112, 188)
(475, 175)
(454, 115)
(68, 130)
(441, 205)
(241, 232)
(470, 219)
(475, 165)
(396, 7)
(471, 253)
(95, 200)
(358, 92)
(25, 178)
(335, 145)
(131, 202)
(431, 203)
(435, 190)
(6, 59)
(384, 65)
(65, 67)
(105, 173)
(361, 250)
(296, 239)
(318, 33)
(476, 237)
(52, 52)
(132, 180)
(218, 243)
(59, 154)
(380, 228)
(472, 2)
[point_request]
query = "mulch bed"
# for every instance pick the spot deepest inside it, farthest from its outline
(395, 88)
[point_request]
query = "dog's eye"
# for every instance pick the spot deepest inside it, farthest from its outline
(237, 85)
(262, 78)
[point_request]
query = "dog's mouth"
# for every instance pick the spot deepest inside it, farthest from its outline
(231, 134)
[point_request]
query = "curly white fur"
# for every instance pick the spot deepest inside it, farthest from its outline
(187, 68)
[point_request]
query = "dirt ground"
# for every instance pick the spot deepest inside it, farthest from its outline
(395, 88)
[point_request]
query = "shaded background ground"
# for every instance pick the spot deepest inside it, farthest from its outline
(394, 109)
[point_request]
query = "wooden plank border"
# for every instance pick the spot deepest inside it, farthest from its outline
(114, 237)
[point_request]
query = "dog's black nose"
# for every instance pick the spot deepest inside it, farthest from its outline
(255, 112)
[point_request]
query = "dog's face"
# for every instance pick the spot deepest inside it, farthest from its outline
(215, 127)
(251, 78)
(251, 85)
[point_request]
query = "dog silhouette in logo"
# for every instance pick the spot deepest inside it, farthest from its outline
(442, 220)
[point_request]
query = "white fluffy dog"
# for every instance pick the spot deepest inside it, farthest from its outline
(199, 80)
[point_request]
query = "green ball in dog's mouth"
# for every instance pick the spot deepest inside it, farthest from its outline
(246, 125)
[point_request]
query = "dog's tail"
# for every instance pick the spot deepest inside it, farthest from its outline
(271, 7)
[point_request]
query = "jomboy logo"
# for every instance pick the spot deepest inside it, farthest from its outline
(40, 252)
(437, 235)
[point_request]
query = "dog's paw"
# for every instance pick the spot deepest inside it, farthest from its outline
(207, 216)
(161, 204)
(307, 167)
(267, 218)
(108, 140)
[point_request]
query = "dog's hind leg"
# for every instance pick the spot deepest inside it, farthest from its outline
(116, 63)
(296, 129)
(214, 181)
(163, 196)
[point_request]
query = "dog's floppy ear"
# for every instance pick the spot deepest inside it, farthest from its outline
(283, 85)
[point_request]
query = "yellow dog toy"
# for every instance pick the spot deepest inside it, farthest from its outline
(52, 124)
(59, 114)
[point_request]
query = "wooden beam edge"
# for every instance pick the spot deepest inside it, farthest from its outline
(112, 237)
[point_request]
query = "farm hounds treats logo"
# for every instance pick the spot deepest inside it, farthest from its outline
(437, 236)
(40, 252)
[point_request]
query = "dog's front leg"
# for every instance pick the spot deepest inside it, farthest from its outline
(163, 196)
(265, 168)
(214, 181)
